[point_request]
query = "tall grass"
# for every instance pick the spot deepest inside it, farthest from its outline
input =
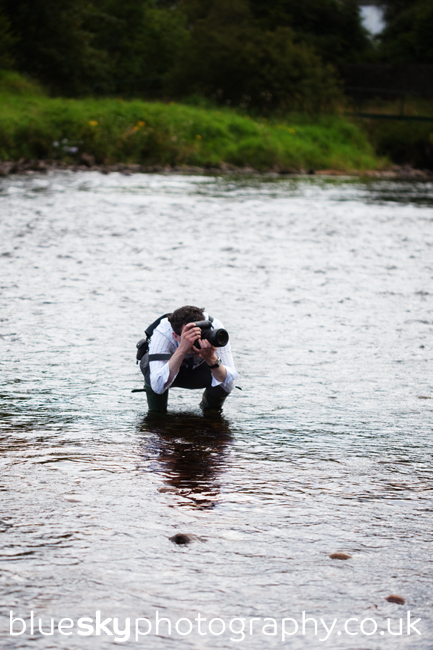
(33, 125)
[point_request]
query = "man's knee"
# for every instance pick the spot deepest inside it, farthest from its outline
(213, 397)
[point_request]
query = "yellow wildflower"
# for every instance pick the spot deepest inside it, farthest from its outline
(141, 123)
(198, 137)
(93, 123)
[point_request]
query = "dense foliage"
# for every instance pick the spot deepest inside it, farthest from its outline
(7, 42)
(332, 27)
(283, 54)
(230, 56)
(55, 42)
(246, 52)
(408, 37)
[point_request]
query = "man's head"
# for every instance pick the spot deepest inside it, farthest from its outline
(184, 315)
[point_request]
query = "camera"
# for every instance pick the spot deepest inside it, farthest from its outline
(218, 338)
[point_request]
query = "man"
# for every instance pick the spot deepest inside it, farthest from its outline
(184, 365)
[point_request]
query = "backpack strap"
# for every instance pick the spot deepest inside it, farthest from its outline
(154, 325)
(159, 357)
(143, 344)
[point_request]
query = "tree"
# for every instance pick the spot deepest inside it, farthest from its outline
(142, 40)
(86, 46)
(7, 41)
(230, 57)
(407, 37)
(55, 44)
(332, 27)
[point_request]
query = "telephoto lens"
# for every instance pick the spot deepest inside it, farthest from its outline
(218, 338)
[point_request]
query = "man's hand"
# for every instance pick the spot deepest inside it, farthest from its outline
(207, 352)
(190, 334)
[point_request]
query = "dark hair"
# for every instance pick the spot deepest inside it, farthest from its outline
(184, 315)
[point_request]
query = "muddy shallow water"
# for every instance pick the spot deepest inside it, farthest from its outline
(326, 289)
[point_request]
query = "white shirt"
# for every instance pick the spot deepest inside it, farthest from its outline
(163, 342)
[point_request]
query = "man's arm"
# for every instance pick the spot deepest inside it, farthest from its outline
(226, 374)
(208, 353)
(162, 342)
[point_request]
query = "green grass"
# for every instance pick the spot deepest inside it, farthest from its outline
(33, 125)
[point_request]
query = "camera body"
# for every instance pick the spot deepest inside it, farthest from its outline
(218, 338)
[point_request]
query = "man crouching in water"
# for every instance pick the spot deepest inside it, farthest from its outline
(184, 365)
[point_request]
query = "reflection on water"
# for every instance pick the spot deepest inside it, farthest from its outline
(191, 451)
(325, 288)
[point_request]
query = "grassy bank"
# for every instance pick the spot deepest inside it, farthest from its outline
(33, 125)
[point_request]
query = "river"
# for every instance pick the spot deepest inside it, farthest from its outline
(325, 286)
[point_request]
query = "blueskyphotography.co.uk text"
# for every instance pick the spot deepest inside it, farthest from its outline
(236, 629)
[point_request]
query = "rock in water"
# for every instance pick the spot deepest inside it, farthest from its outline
(340, 556)
(398, 600)
(181, 538)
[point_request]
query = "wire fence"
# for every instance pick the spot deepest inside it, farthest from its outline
(360, 96)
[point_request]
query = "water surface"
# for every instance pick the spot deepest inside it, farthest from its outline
(326, 289)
